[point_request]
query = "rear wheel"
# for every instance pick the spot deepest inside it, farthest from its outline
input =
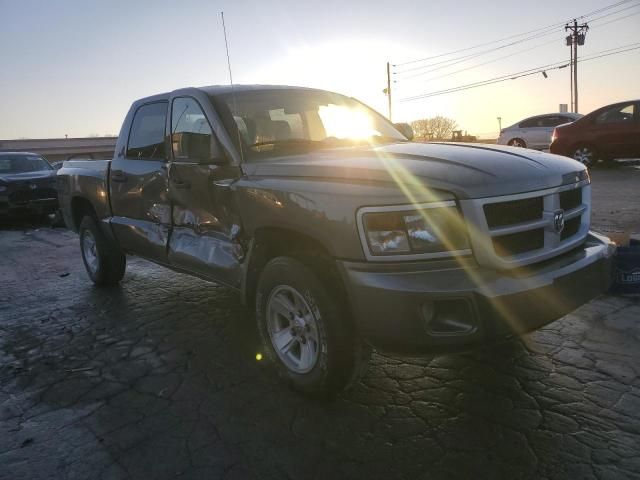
(305, 329)
(517, 142)
(104, 261)
(585, 154)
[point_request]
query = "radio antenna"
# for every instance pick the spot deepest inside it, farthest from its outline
(226, 46)
(233, 93)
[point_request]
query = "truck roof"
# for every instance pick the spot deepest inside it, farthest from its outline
(222, 89)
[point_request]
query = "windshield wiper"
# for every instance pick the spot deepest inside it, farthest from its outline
(287, 141)
(329, 141)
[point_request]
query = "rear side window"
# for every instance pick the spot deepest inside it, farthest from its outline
(146, 138)
(554, 120)
(531, 123)
(619, 114)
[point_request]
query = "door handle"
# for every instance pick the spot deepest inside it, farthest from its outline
(180, 183)
(118, 176)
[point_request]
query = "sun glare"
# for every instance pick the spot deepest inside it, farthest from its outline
(344, 122)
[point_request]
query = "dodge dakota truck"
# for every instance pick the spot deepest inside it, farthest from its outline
(341, 233)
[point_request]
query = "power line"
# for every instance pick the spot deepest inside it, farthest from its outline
(613, 13)
(478, 64)
(416, 75)
(615, 19)
(542, 33)
(454, 61)
(524, 73)
(551, 26)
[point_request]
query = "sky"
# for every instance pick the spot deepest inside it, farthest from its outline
(73, 67)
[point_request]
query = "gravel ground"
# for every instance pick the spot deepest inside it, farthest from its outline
(157, 378)
(616, 198)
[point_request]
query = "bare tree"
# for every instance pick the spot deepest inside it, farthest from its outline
(436, 128)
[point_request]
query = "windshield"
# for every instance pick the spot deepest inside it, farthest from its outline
(22, 164)
(278, 122)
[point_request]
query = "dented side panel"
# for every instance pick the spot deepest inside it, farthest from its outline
(205, 231)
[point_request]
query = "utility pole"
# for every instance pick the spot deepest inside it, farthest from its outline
(387, 90)
(499, 124)
(575, 38)
(571, 71)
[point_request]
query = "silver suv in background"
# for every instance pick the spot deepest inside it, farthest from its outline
(534, 132)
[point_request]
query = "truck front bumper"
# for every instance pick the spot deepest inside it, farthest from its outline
(451, 305)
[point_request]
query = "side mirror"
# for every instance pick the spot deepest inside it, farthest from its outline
(216, 153)
(405, 129)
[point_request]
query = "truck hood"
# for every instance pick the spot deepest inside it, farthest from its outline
(467, 170)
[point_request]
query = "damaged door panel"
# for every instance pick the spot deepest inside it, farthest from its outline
(205, 229)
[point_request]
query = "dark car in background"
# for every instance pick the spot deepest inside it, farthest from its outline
(607, 133)
(27, 185)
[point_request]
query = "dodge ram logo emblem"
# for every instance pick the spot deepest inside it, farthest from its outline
(558, 220)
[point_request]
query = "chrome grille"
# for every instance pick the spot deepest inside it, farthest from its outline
(521, 229)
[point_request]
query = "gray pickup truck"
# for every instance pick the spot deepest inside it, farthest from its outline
(339, 231)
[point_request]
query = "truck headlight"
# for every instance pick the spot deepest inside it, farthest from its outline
(429, 230)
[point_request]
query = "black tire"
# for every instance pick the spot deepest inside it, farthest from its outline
(106, 263)
(517, 142)
(341, 357)
(58, 220)
(586, 154)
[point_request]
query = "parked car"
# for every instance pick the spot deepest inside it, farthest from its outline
(27, 185)
(534, 132)
(606, 133)
(340, 232)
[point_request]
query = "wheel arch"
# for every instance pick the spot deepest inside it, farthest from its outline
(81, 206)
(513, 139)
(270, 242)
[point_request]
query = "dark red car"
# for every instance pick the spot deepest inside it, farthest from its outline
(607, 133)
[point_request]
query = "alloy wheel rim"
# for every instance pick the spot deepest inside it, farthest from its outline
(518, 143)
(89, 251)
(293, 329)
(583, 155)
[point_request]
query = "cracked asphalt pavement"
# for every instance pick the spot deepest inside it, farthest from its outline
(157, 378)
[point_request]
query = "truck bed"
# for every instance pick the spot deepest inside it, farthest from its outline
(86, 180)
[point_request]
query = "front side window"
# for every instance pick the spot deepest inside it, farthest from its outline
(190, 131)
(23, 164)
(146, 139)
(284, 121)
(619, 114)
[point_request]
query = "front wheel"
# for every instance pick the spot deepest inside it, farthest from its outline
(585, 154)
(105, 262)
(305, 329)
(517, 142)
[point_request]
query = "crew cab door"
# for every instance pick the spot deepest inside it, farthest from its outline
(139, 183)
(200, 181)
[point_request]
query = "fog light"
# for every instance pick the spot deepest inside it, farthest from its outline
(449, 317)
